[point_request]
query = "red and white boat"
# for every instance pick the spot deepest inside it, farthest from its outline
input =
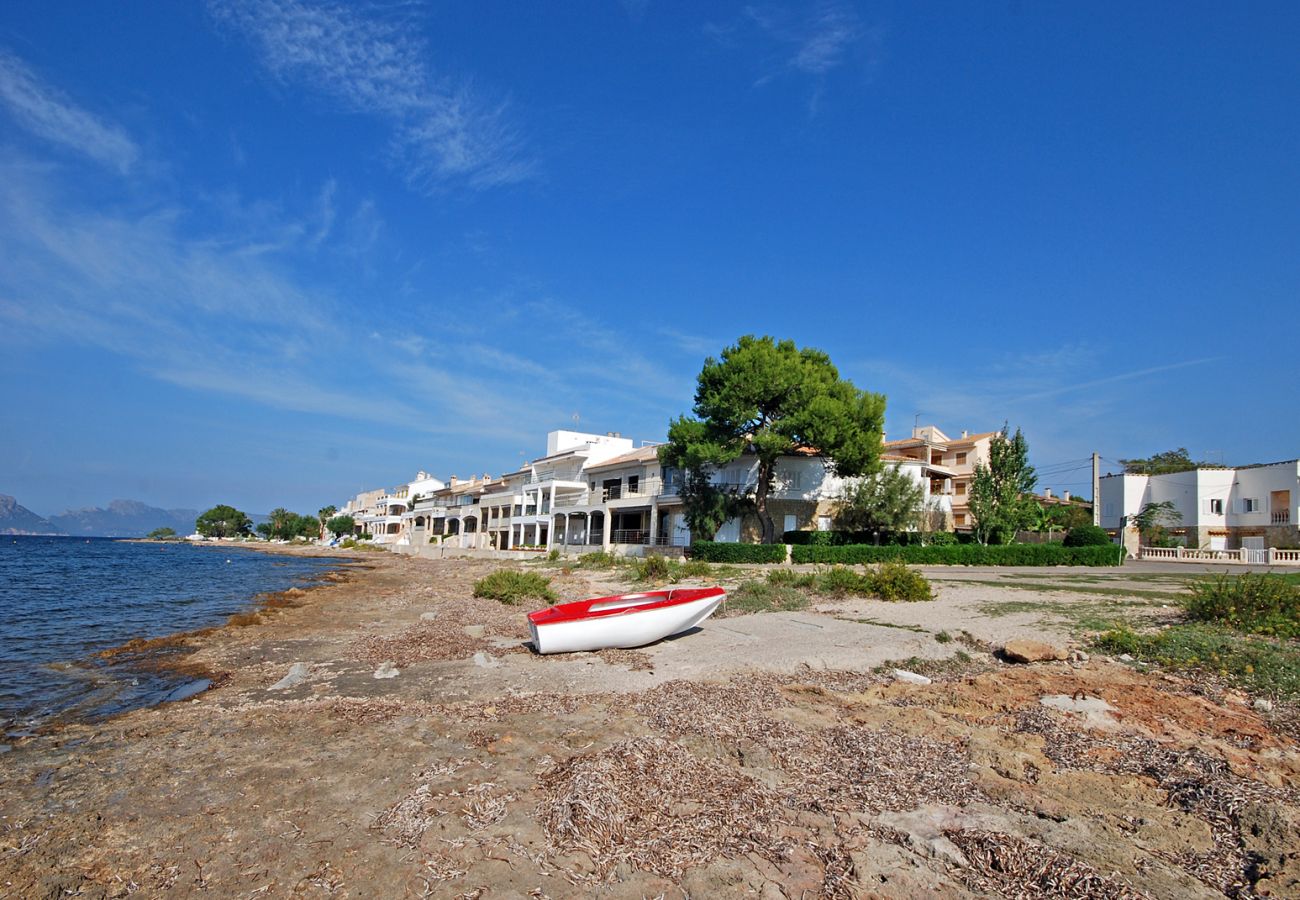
(627, 620)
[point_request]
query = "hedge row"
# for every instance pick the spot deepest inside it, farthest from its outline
(965, 555)
(711, 551)
(890, 538)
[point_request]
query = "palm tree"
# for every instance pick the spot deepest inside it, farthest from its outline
(325, 514)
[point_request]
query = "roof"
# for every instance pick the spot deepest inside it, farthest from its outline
(640, 455)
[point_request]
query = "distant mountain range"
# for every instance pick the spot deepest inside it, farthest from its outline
(18, 519)
(122, 518)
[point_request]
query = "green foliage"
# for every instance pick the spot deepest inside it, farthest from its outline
(772, 398)
(791, 578)
(511, 586)
(998, 499)
(886, 501)
(651, 568)
(1164, 463)
(709, 551)
(964, 555)
(764, 596)
(1258, 664)
(1151, 521)
(161, 534)
(553, 556)
(351, 544)
(838, 581)
(264, 529)
(325, 513)
(943, 637)
(1064, 516)
(340, 525)
(705, 506)
(943, 539)
(598, 560)
(1087, 536)
(893, 580)
(1259, 604)
(223, 522)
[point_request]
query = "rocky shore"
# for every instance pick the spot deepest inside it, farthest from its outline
(387, 734)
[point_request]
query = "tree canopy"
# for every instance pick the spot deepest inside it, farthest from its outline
(340, 525)
(886, 501)
(999, 499)
(223, 521)
(771, 398)
(1168, 462)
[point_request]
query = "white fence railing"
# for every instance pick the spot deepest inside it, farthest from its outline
(1270, 556)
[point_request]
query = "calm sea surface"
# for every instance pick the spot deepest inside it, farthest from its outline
(63, 599)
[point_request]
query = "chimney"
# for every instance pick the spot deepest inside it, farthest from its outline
(1047, 493)
(1065, 495)
(453, 481)
(964, 434)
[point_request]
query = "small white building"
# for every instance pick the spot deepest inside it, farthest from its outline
(1222, 509)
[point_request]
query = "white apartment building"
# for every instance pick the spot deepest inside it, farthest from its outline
(1251, 507)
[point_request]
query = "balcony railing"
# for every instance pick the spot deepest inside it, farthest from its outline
(1281, 517)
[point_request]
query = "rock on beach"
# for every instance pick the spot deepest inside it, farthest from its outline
(1022, 650)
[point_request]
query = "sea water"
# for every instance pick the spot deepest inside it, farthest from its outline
(65, 599)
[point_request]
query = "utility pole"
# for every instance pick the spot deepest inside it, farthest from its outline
(1096, 488)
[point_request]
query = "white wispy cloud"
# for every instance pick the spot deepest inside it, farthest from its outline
(49, 114)
(809, 41)
(370, 62)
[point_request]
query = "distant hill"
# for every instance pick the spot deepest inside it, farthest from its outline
(124, 518)
(18, 519)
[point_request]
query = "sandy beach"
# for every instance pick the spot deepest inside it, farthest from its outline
(388, 735)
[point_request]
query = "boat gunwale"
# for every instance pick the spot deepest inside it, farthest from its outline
(588, 610)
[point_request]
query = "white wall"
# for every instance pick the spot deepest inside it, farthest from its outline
(603, 446)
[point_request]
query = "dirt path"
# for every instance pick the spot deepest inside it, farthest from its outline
(761, 755)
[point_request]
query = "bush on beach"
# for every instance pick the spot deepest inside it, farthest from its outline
(511, 587)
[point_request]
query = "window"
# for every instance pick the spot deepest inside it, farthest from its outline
(961, 459)
(791, 523)
(823, 523)
(960, 519)
(1250, 504)
(1214, 506)
(633, 481)
(961, 488)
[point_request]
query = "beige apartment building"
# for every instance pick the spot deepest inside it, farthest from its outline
(951, 462)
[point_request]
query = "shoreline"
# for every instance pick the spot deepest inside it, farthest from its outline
(476, 765)
(169, 655)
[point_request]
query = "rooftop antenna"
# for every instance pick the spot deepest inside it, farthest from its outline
(575, 420)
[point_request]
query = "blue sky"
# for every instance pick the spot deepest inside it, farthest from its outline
(272, 253)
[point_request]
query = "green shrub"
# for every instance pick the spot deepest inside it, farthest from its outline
(763, 596)
(791, 578)
(651, 568)
(1087, 536)
(695, 568)
(963, 555)
(943, 539)
(893, 580)
(1260, 604)
(1259, 664)
(553, 556)
(510, 586)
(598, 560)
(943, 637)
(838, 581)
(711, 551)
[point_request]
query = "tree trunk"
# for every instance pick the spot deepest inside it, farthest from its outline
(760, 502)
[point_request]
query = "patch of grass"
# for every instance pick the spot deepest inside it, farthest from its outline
(943, 637)
(1117, 591)
(350, 544)
(1080, 616)
(763, 596)
(867, 620)
(891, 580)
(598, 560)
(511, 586)
(660, 569)
(1259, 664)
(1257, 604)
(960, 663)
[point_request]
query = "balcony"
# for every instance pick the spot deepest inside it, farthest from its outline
(1281, 517)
